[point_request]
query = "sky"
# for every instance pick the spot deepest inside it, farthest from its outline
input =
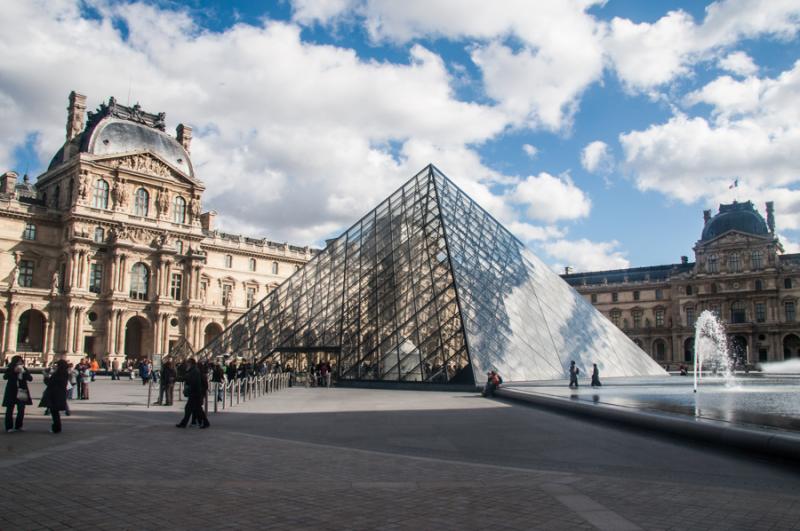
(597, 132)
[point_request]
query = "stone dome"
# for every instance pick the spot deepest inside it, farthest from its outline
(114, 135)
(118, 129)
(741, 217)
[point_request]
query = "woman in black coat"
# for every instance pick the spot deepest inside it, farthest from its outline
(18, 378)
(55, 394)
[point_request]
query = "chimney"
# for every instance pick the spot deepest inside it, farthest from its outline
(567, 270)
(8, 183)
(184, 133)
(207, 220)
(684, 260)
(771, 216)
(75, 110)
(706, 216)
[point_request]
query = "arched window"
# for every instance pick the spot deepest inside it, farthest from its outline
(100, 193)
(179, 212)
(738, 312)
(140, 278)
(274, 268)
(712, 264)
(99, 235)
(141, 204)
(734, 266)
(252, 264)
(757, 260)
(228, 261)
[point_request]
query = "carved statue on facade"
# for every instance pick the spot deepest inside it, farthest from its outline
(162, 203)
(83, 185)
(54, 283)
(194, 208)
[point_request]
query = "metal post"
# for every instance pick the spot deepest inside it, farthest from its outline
(149, 392)
(216, 395)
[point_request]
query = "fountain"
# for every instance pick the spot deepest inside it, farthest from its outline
(711, 348)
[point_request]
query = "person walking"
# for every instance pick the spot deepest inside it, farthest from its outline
(168, 376)
(94, 367)
(86, 372)
(79, 380)
(595, 376)
(115, 370)
(54, 397)
(218, 378)
(17, 395)
(574, 371)
(193, 391)
(144, 371)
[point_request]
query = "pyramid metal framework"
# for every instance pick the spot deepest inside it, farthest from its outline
(428, 287)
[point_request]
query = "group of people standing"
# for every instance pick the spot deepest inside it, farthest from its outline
(17, 394)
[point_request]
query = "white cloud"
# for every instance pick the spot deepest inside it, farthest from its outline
(738, 63)
(753, 135)
(549, 198)
(586, 255)
(530, 150)
(789, 246)
(557, 51)
(595, 158)
(291, 138)
(646, 55)
(535, 233)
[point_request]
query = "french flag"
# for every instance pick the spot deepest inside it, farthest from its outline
(734, 185)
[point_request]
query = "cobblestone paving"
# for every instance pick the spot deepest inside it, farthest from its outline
(362, 459)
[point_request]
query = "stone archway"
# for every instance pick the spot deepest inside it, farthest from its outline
(31, 331)
(212, 330)
(688, 350)
(137, 332)
(791, 346)
(659, 351)
(738, 349)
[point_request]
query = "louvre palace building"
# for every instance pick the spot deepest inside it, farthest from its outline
(740, 272)
(109, 253)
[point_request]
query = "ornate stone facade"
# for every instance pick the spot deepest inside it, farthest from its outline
(740, 272)
(110, 254)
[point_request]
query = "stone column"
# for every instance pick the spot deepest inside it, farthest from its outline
(49, 334)
(72, 265)
(11, 329)
(77, 342)
(119, 346)
(67, 336)
(111, 333)
(123, 272)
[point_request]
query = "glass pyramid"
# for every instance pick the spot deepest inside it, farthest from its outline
(429, 287)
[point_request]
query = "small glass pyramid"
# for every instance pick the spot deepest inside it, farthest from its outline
(428, 287)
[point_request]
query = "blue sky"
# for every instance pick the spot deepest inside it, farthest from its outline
(596, 131)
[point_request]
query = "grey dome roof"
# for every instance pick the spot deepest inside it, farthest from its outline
(115, 135)
(742, 217)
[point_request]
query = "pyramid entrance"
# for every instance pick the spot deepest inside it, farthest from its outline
(428, 288)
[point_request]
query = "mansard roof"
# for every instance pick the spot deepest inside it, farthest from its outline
(741, 217)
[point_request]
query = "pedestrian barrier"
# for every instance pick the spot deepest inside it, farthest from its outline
(233, 392)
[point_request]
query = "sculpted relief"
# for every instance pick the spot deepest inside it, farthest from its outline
(143, 164)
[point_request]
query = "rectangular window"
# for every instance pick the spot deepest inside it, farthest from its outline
(226, 294)
(615, 315)
(25, 278)
(30, 232)
(659, 294)
(734, 265)
(252, 264)
(96, 277)
(659, 317)
(713, 264)
(636, 295)
(757, 259)
(175, 286)
(274, 268)
(689, 316)
(761, 312)
(594, 298)
(637, 319)
(787, 306)
(251, 296)
(615, 297)
(228, 261)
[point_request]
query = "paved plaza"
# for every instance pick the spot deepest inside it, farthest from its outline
(373, 459)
